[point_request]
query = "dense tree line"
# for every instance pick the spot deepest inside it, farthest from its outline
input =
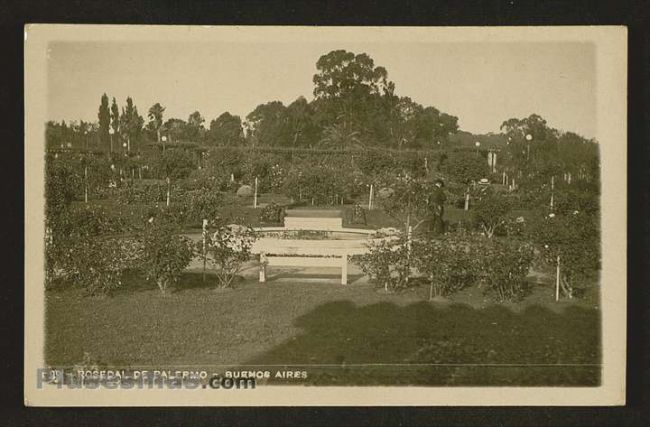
(354, 105)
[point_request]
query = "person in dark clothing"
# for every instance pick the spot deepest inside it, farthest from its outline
(437, 208)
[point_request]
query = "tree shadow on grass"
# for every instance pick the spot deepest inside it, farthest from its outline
(195, 280)
(136, 282)
(425, 344)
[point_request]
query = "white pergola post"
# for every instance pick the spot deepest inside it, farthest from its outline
(262, 267)
(86, 184)
(557, 280)
(255, 196)
(204, 235)
(344, 268)
(169, 185)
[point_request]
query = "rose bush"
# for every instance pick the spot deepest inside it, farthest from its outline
(449, 262)
(490, 213)
(504, 265)
(229, 247)
(272, 214)
(201, 204)
(387, 263)
(165, 254)
(575, 239)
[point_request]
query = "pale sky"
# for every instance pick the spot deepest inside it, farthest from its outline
(482, 84)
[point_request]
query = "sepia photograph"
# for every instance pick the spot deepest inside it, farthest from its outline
(233, 215)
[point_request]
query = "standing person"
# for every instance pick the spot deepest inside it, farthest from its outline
(436, 204)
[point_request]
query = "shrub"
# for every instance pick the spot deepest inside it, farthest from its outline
(97, 264)
(202, 204)
(228, 248)
(515, 227)
(575, 239)
(504, 265)
(209, 178)
(320, 184)
(568, 200)
(276, 176)
(78, 234)
(266, 167)
(452, 262)
(143, 193)
(464, 166)
(60, 187)
(490, 213)
(229, 159)
(165, 254)
(407, 202)
(449, 262)
(174, 163)
(387, 263)
(272, 214)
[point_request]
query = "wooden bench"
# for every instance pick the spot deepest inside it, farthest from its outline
(308, 257)
(309, 253)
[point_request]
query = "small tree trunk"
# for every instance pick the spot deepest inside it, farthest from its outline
(162, 285)
(566, 287)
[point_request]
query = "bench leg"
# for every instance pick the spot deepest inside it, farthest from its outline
(344, 269)
(262, 267)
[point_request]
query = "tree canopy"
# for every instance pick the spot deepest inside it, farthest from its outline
(354, 104)
(226, 130)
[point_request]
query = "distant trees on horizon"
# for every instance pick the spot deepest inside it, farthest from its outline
(354, 105)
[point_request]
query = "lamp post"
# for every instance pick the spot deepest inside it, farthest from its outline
(477, 144)
(164, 140)
(529, 138)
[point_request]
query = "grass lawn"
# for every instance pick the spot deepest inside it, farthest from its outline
(339, 334)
